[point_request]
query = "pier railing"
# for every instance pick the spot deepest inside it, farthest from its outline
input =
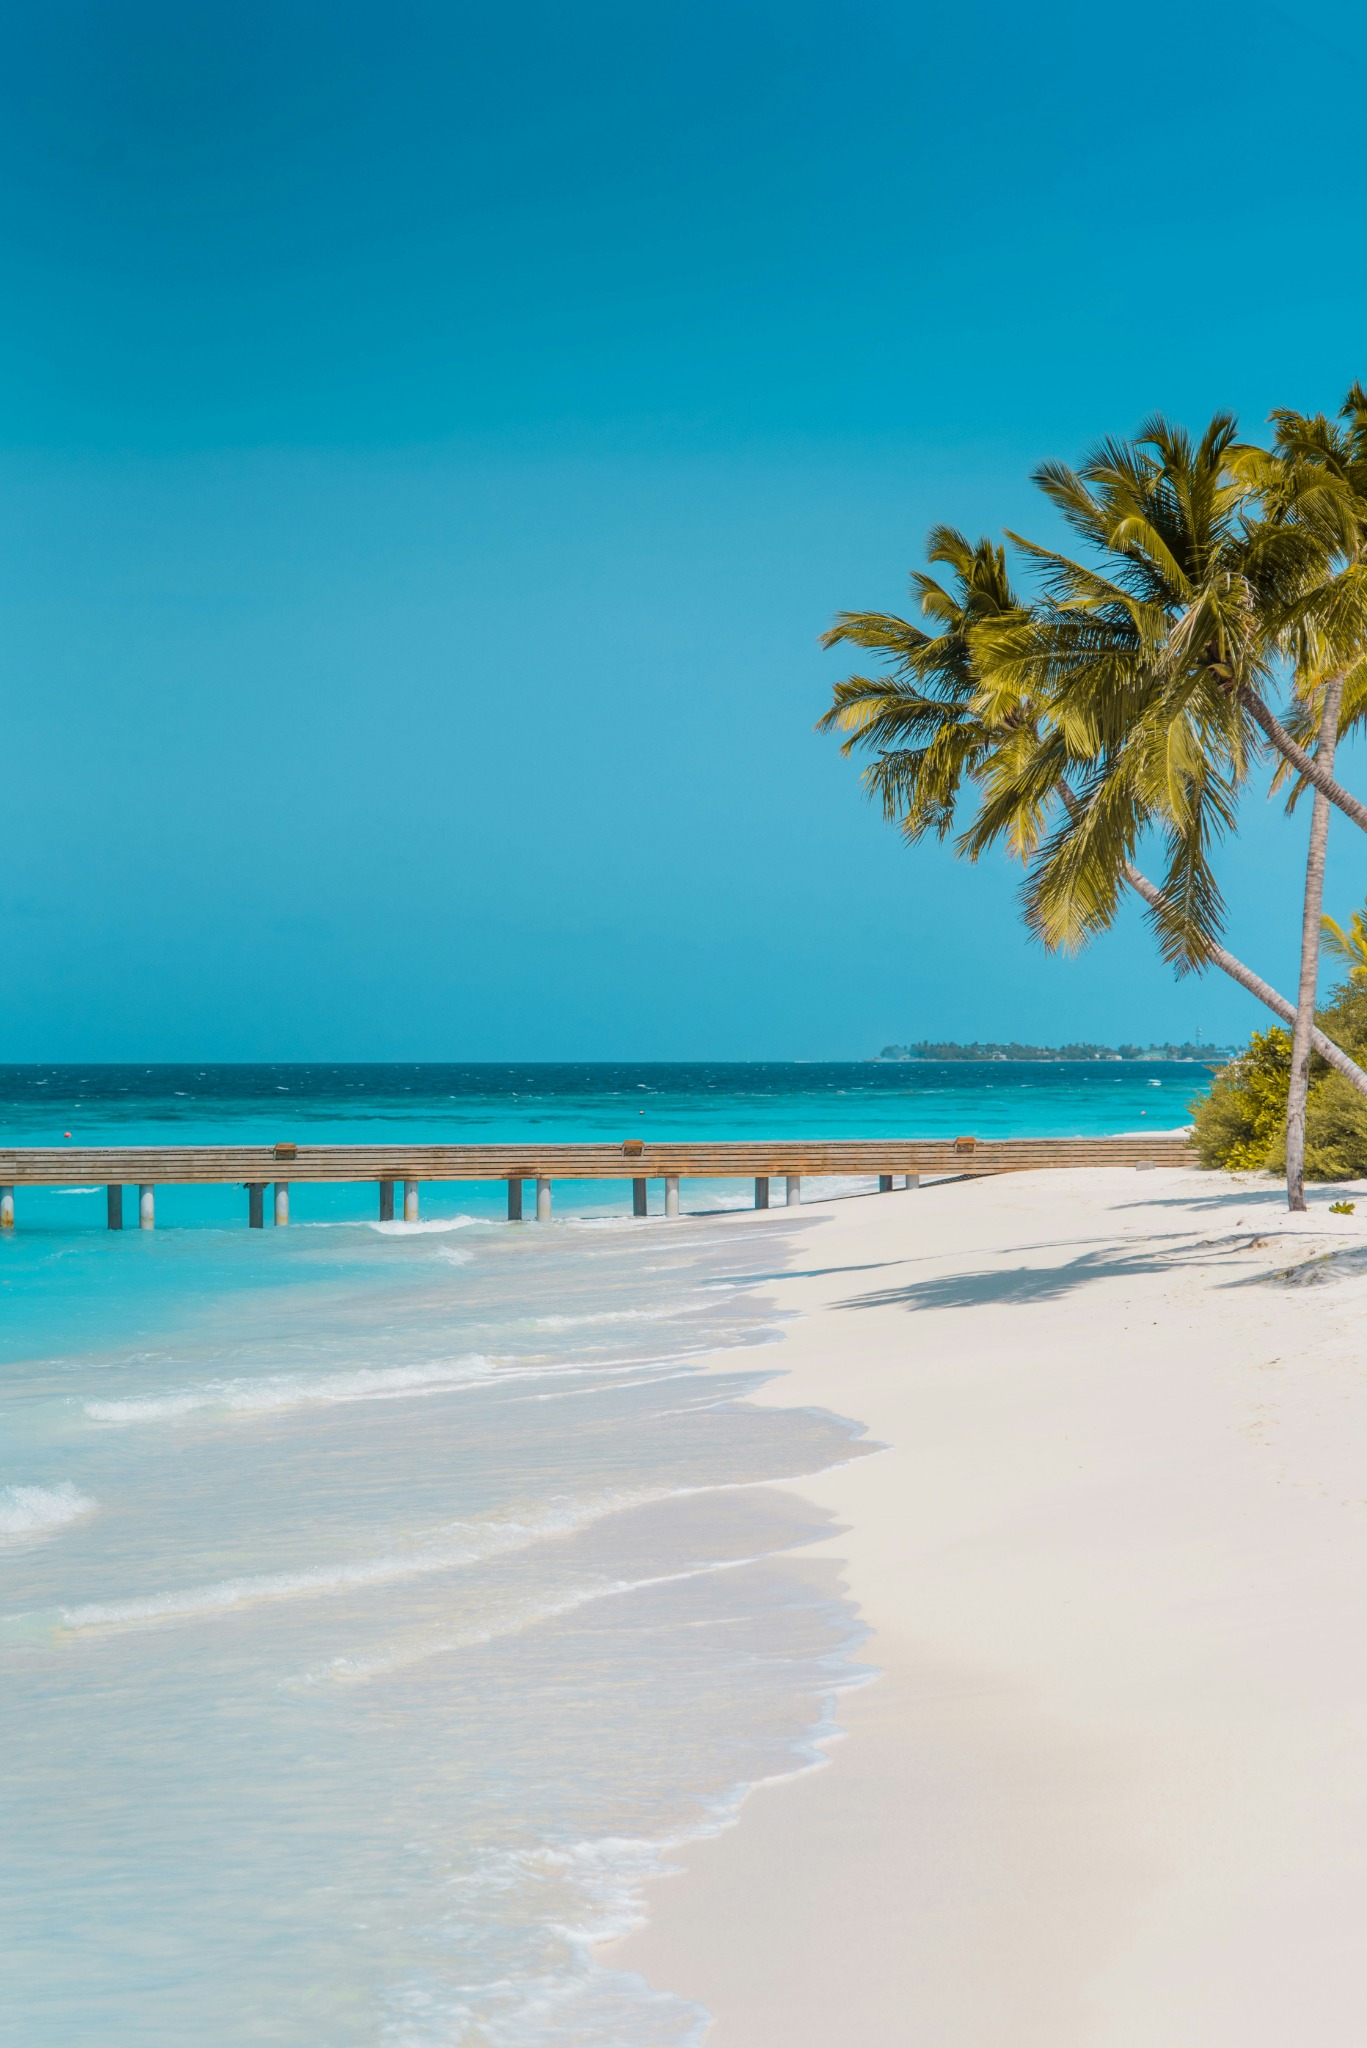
(255, 1167)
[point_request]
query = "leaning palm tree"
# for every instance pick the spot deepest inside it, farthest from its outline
(1211, 564)
(969, 713)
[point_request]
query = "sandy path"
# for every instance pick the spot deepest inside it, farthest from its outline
(1110, 1790)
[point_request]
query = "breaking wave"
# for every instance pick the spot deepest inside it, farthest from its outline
(38, 1510)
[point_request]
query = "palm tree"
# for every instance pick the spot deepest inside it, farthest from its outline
(1317, 477)
(1299, 1086)
(1141, 656)
(974, 703)
(1215, 564)
(1320, 468)
(919, 719)
(1349, 946)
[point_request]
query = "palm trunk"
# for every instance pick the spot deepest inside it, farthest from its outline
(1310, 953)
(1316, 770)
(1263, 992)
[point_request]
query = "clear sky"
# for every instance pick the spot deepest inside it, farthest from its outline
(434, 438)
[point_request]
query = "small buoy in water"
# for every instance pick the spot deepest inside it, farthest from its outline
(66, 1134)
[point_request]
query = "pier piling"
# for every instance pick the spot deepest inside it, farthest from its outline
(640, 1205)
(761, 1190)
(885, 1183)
(113, 1200)
(386, 1201)
(256, 1205)
(543, 1199)
(147, 1206)
(794, 1190)
(6, 1208)
(515, 1199)
(410, 1201)
(282, 1201)
(671, 1194)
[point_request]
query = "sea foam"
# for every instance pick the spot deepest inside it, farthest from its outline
(439, 1550)
(298, 1390)
(512, 1621)
(27, 1511)
(397, 1227)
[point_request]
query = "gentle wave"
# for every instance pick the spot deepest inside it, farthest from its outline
(592, 1892)
(393, 1383)
(614, 1865)
(264, 1396)
(445, 1549)
(619, 1315)
(512, 1622)
(37, 1510)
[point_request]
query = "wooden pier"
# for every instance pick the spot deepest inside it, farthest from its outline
(257, 1167)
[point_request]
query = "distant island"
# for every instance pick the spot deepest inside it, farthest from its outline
(929, 1049)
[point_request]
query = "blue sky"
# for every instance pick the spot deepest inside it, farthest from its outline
(433, 440)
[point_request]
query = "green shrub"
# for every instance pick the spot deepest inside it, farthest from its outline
(1345, 1020)
(1241, 1123)
(1335, 1131)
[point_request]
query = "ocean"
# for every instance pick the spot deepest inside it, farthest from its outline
(380, 1604)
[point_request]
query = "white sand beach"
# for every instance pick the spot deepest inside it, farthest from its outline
(1111, 1788)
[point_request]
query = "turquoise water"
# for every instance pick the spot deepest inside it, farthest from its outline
(379, 1604)
(471, 1105)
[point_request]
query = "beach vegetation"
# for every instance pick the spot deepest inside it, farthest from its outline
(951, 1049)
(920, 718)
(1212, 624)
(1241, 1123)
(1349, 946)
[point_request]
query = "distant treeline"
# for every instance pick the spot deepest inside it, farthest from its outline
(928, 1049)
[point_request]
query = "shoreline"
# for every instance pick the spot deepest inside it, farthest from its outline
(1104, 1789)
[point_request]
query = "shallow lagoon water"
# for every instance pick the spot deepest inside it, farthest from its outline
(379, 1604)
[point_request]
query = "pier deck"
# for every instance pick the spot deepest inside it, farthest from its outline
(637, 1160)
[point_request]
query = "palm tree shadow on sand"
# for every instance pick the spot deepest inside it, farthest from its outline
(1022, 1285)
(1261, 1198)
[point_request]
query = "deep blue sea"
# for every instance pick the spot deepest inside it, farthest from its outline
(380, 1603)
